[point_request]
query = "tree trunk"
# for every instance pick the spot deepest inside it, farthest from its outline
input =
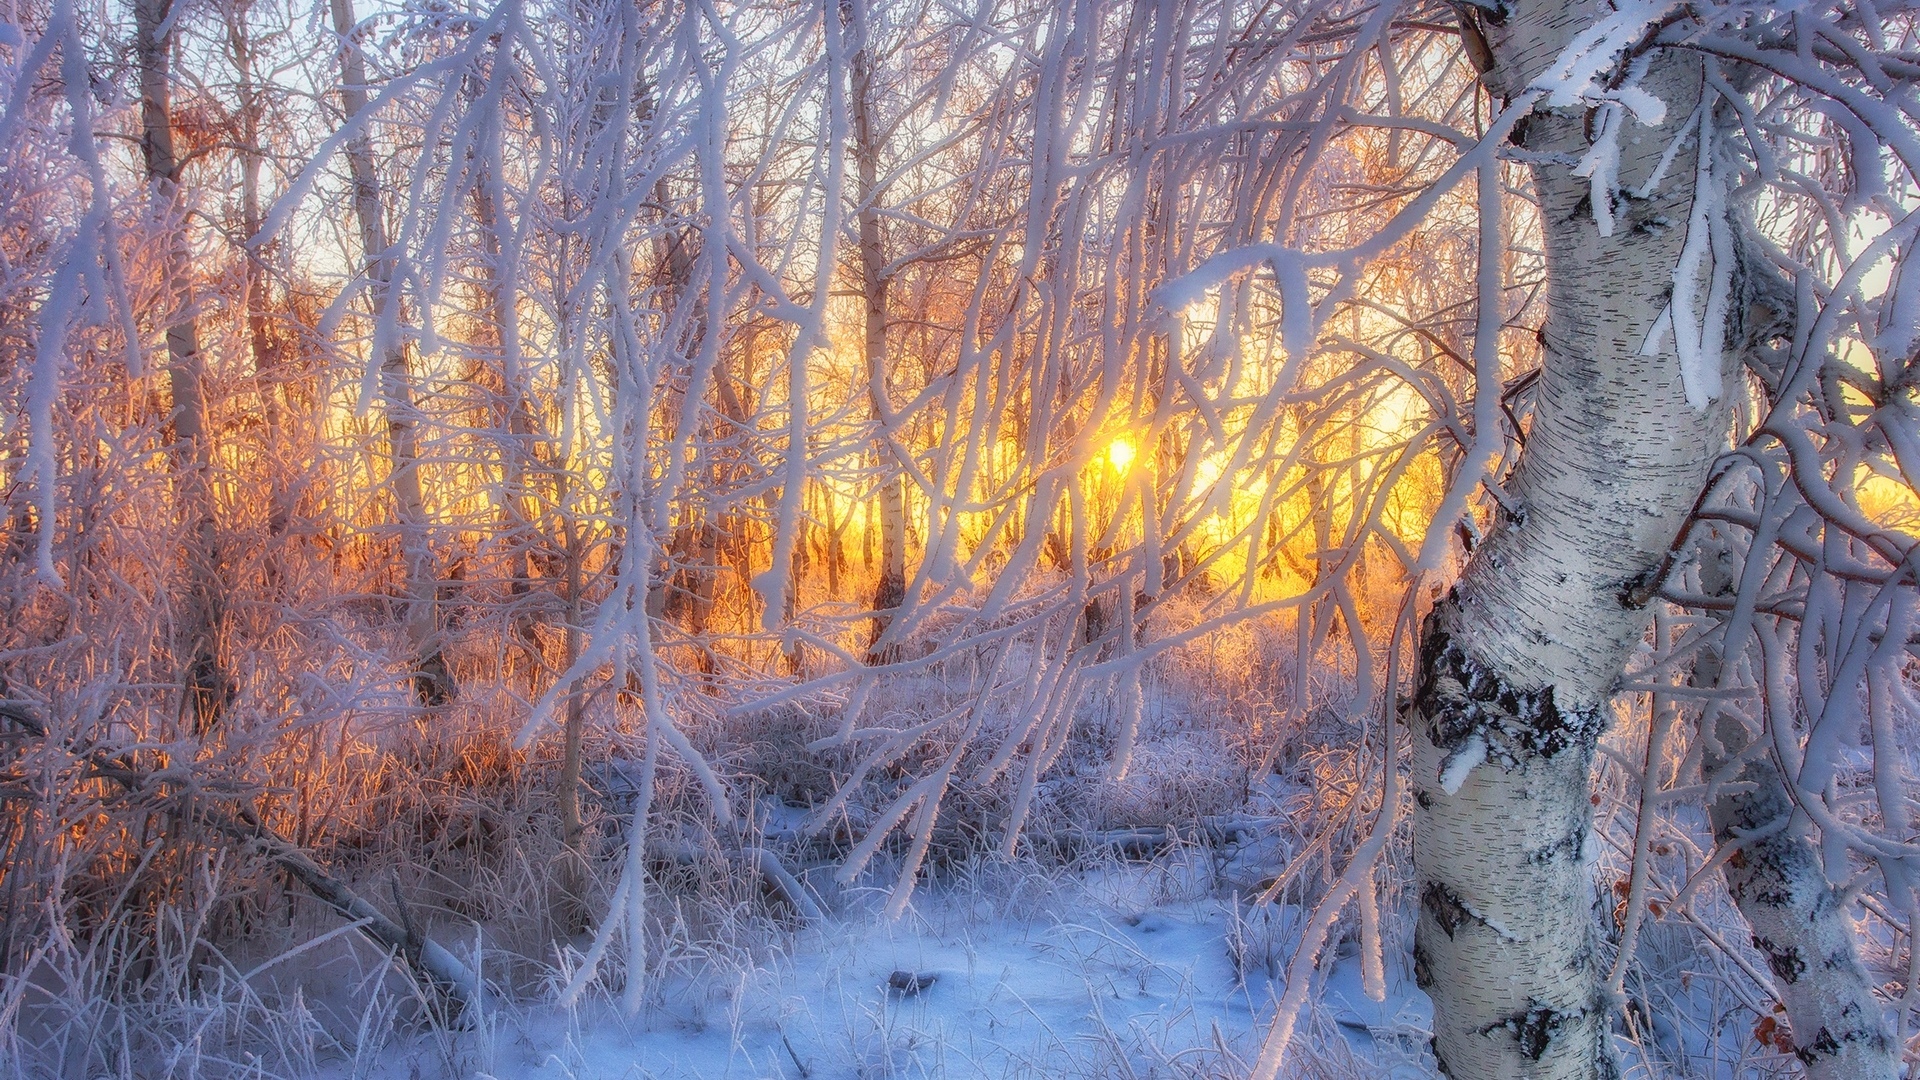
(1519, 661)
(571, 910)
(686, 587)
(207, 687)
(265, 351)
(519, 497)
(1799, 922)
(432, 682)
(891, 589)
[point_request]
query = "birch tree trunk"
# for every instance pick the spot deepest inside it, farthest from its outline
(432, 682)
(207, 687)
(570, 910)
(520, 497)
(1518, 663)
(891, 589)
(686, 588)
(1798, 920)
(261, 343)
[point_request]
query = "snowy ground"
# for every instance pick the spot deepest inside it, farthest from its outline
(1106, 976)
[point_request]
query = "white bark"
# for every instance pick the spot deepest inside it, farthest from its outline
(1518, 663)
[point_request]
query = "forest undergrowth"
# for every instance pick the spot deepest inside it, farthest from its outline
(202, 957)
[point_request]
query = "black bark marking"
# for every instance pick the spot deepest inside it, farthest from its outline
(1785, 960)
(1518, 136)
(1535, 1029)
(1636, 591)
(1447, 909)
(1461, 698)
(1654, 225)
(1823, 1045)
(1567, 847)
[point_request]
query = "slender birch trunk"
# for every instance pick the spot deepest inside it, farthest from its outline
(432, 682)
(1518, 663)
(686, 589)
(207, 685)
(891, 589)
(571, 910)
(519, 496)
(261, 345)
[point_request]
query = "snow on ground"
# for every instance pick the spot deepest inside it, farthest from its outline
(1096, 979)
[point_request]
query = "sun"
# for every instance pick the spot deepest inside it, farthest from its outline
(1120, 454)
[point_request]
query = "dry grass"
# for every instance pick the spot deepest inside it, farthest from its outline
(198, 955)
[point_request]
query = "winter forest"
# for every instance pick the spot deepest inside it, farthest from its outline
(959, 538)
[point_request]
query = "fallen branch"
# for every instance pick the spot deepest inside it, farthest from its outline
(1142, 841)
(1131, 841)
(772, 871)
(430, 962)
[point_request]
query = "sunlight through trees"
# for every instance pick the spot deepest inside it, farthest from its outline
(523, 471)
